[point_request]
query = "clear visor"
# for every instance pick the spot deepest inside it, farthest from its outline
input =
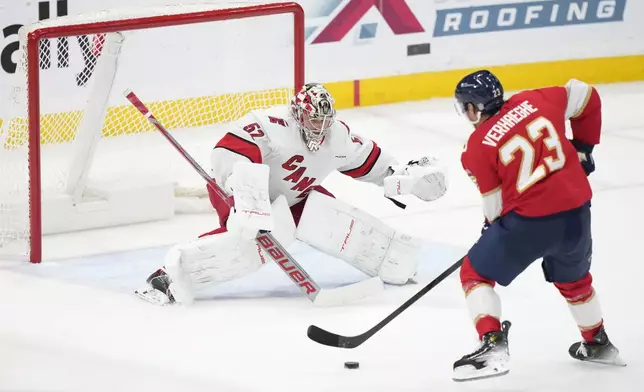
(460, 107)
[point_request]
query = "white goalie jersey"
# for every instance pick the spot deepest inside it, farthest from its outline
(271, 137)
(265, 163)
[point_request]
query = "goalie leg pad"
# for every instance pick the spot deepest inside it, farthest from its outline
(283, 223)
(360, 239)
(401, 260)
(222, 257)
(210, 260)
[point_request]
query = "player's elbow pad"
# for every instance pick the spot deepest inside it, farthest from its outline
(579, 94)
(584, 111)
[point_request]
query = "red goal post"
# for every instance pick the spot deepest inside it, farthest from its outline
(101, 24)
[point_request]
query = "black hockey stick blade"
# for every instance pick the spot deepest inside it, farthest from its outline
(331, 339)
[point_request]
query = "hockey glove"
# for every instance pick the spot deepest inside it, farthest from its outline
(252, 211)
(422, 178)
(585, 154)
(486, 225)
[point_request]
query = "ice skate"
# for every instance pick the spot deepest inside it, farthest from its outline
(158, 289)
(601, 350)
(490, 360)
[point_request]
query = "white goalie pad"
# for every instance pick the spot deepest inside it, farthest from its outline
(222, 257)
(210, 260)
(253, 212)
(283, 223)
(360, 239)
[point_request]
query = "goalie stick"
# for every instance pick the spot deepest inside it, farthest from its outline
(327, 338)
(299, 276)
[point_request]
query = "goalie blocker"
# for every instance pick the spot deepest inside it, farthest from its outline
(327, 224)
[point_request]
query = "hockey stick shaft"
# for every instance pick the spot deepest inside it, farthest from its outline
(398, 204)
(278, 253)
(327, 338)
(143, 109)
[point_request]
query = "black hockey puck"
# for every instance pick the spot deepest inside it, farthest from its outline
(351, 365)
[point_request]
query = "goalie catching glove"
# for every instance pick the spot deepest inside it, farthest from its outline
(422, 178)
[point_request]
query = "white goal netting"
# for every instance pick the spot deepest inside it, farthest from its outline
(101, 163)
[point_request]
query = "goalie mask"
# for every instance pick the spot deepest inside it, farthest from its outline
(313, 111)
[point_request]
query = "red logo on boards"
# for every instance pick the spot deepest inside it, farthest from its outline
(396, 13)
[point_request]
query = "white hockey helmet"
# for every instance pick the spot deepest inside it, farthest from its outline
(313, 111)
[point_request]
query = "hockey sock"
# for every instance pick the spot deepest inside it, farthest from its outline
(584, 305)
(487, 324)
(483, 303)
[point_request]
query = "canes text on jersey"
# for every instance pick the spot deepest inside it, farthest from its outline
(303, 184)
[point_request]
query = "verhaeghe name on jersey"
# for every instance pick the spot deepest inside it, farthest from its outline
(515, 16)
(505, 123)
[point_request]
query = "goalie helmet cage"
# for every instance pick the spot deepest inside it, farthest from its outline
(21, 212)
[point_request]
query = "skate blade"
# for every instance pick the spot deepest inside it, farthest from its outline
(615, 361)
(152, 296)
(482, 377)
(470, 373)
(618, 361)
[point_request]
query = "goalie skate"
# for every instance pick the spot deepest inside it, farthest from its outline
(601, 350)
(153, 296)
(492, 359)
(158, 289)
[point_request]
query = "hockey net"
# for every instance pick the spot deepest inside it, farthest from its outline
(76, 156)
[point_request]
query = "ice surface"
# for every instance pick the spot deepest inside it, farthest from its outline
(72, 324)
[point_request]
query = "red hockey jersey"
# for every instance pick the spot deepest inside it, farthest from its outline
(522, 161)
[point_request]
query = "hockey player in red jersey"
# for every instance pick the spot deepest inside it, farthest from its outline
(536, 202)
(273, 163)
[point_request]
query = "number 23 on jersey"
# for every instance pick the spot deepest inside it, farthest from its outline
(540, 130)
